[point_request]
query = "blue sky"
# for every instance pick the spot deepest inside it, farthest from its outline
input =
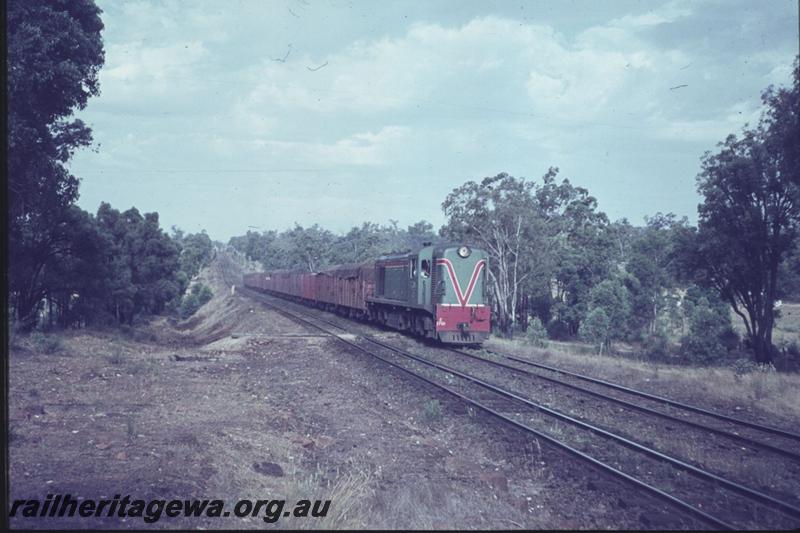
(222, 115)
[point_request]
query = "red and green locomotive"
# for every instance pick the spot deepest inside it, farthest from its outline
(437, 292)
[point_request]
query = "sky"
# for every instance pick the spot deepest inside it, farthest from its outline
(254, 114)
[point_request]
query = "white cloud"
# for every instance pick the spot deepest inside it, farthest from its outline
(499, 62)
(663, 14)
(136, 63)
(709, 131)
(359, 149)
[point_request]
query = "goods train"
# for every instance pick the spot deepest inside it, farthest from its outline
(438, 292)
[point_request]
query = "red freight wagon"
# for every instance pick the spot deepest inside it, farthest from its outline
(309, 287)
(325, 292)
(281, 281)
(346, 286)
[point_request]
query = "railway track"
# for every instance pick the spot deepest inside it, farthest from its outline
(660, 399)
(514, 409)
(788, 450)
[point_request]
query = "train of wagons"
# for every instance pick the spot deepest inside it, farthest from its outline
(437, 292)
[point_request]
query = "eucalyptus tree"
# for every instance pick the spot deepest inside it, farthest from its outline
(545, 240)
(500, 215)
(651, 261)
(750, 213)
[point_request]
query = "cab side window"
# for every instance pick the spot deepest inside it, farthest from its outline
(426, 268)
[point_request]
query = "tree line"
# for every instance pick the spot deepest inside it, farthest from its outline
(314, 248)
(67, 266)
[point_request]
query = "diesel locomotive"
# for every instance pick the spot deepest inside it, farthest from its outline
(438, 292)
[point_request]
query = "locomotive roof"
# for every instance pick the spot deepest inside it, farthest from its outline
(405, 253)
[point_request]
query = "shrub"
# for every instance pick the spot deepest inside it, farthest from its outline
(189, 305)
(729, 339)
(613, 298)
(558, 329)
(204, 295)
(595, 328)
(536, 334)
(46, 343)
(707, 325)
(656, 345)
(431, 412)
(744, 366)
(198, 296)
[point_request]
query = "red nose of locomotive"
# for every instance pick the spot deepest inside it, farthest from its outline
(462, 316)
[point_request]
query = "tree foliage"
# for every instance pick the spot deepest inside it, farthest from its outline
(652, 263)
(545, 240)
(707, 325)
(198, 296)
(197, 250)
(613, 298)
(54, 54)
(748, 219)
(596, 328)
(144, 263)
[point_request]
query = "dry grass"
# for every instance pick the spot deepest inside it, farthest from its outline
(770, 392)
(349, 493)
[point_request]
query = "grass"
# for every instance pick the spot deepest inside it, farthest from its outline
(47, 344)
(431, 412)
(348, 492)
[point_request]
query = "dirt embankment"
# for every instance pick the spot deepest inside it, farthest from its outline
(240, 402)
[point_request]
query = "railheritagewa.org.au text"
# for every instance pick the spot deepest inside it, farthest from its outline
(153, 510)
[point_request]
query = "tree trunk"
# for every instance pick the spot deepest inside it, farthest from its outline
(26, 312)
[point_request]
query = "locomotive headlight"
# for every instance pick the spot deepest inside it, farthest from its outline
(464, 251)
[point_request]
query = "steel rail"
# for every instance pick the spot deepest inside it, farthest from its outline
(746, 440)
(732, 485)
(674, 403)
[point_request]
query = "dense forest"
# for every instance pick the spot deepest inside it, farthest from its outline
(559, 268)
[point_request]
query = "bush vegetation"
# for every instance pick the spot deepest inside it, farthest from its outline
(46, 343)
(198, 296)
(536, 334)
